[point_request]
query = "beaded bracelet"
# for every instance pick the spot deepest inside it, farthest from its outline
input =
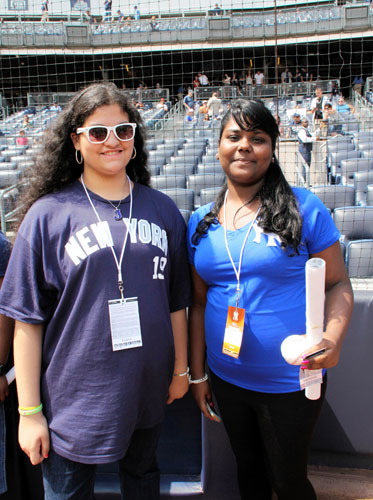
(182, 374)
(199, 380)
(30, 410)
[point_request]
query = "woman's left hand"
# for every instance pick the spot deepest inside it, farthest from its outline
(328, 359)
(178, 388)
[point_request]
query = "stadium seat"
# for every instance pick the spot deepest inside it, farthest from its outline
(202, 181)
(359, 258)
(361, 181)
(209, 168)
(168, 181)
(370, 195)
(354, 223)
(334, 147)
(207, 195)
(178, 169)
(8, 178)
(349, 167)
(186, 214)
(334, 196)
(184, 198)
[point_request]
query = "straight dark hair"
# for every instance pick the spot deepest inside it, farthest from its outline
(279, 212)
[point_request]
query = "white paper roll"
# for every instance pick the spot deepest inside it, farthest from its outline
(315, 301)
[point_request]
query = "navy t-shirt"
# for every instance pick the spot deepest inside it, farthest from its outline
(62, 274)
(273, 294)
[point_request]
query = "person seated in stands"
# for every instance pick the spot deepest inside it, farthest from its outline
(128, 21)
(55, 107)
(329, 121)
(26, 122)
(344, 107)
(196, 82)
(190, 118)
(154, 26)
(162, 104)
(22, 139)
(295, 123)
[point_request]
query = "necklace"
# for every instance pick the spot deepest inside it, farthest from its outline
(117, 213)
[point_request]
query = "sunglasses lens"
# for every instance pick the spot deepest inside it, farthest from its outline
(98, 134)
(124, 132)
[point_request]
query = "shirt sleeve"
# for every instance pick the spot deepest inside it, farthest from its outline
(26, 294)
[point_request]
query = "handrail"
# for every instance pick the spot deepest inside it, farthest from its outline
(3, 216)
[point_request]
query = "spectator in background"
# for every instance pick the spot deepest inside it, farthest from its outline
(249, 81)
(120, 17)
(22, 139)
(295, 123)
(107, 7)
(358, 83)
(344, 107)
(55, 107)
(196, 82)
(162, 104)
(259, 82)
(26, 122)
(217, 11)
(286, 78)
(136, 14)
(214, 106)
(44, 10)
(306, 140)
(204, 81)
(87, 18)
(317, 105)
(190, 118)
(180, 92)
(154, 26)
(189, 103)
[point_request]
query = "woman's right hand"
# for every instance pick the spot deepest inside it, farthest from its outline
(33, 436)
(202, 395)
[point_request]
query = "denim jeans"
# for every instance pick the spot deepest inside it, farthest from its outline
(138, 472)
(270, 435)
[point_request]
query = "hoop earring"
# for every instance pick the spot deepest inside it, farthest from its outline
(133, 156)
(273, 159)
(78, 161)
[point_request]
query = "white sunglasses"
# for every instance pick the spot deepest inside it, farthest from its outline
(97, 134)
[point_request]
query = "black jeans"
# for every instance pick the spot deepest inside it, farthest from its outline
(270, 435)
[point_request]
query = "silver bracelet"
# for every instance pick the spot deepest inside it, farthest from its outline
(198, 380)
(182, 374)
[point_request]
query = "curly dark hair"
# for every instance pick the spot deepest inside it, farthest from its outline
(55, 166)
(279, 212)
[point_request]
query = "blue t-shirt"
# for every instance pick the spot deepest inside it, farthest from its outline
(273, 294)
(61, 274)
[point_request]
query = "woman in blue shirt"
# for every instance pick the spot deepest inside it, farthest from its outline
(248, 250)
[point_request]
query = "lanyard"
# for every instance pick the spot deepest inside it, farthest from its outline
(118, 263)
(237, 272)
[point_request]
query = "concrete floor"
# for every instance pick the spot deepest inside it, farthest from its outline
(342, 484)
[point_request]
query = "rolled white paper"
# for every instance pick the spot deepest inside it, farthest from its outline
(315, 300)
(292, 349)
(10, 375)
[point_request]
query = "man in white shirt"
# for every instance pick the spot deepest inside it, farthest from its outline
(259, 82)
(203, 80)
(286, 77)
(214, 106)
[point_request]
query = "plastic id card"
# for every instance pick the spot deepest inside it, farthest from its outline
(125, 323)
(233, 331)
